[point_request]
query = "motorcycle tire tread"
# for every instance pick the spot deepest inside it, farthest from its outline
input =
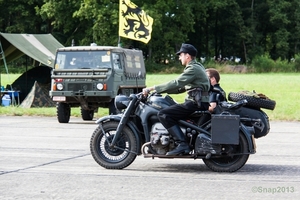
(253, 101)
(102, 154)
(231, 164)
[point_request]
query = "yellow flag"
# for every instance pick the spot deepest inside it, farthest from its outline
(134, 23)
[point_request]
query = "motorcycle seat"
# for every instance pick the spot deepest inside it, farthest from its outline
(200, 113)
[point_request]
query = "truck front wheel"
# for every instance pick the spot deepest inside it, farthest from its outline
(63, 112)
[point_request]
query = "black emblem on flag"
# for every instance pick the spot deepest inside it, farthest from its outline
(136, 21)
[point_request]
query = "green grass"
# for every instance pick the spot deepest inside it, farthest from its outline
(281, 87)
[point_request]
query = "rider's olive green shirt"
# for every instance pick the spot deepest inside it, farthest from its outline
(193, 76)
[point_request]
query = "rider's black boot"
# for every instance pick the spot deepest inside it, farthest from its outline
(183, 147)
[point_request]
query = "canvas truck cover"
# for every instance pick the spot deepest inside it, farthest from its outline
(39, 47)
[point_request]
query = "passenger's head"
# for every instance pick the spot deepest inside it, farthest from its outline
(213, 75)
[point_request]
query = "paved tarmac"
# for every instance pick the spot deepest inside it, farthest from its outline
(43, 159)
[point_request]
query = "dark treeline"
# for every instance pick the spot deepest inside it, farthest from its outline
(218, 28)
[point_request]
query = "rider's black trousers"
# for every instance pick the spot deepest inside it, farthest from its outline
(169, 116)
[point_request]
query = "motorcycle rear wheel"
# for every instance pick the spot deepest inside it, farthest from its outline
(230, 163)
(117, 157)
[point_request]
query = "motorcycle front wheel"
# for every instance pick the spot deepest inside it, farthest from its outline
(230, 163)
(117, 157)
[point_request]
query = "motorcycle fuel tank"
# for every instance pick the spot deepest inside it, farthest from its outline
(160, 102)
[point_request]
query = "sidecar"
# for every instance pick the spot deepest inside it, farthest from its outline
(249, 116)
(261, 129)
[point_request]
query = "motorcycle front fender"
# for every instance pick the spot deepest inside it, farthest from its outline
(130, 124)
(109, 118)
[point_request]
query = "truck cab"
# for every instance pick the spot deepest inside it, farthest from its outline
(90, 77)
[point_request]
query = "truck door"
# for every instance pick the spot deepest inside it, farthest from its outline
(118, 69)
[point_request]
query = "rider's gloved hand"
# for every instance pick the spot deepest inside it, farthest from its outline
(146, 91)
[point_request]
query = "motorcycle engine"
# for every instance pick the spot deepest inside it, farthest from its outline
(160, 139)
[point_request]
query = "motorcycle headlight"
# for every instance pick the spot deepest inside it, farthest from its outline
(121, 102)
(59, 86)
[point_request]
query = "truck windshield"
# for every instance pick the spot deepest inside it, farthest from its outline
(83, 60)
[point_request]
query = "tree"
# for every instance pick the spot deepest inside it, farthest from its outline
(220, 29)
(240, 28)
(62, 23)
(18, 16)
(294, 28)
(172, 21)
(279, 36)
(102, 15)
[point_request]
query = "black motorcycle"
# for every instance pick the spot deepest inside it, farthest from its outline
(223, 140)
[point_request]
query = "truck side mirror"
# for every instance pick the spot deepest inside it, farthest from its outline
(49, 60)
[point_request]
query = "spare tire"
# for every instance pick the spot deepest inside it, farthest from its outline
(252, 101)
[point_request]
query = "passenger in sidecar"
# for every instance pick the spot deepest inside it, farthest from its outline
(216, 93)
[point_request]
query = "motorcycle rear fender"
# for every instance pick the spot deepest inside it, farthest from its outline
(130, 124)
(249, 137)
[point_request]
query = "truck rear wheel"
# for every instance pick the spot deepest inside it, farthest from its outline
(63, 112)
(87, 114)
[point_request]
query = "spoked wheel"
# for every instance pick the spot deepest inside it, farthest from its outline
(230, 163)
(117, 157)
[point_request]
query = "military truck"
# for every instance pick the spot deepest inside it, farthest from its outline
(90, 77)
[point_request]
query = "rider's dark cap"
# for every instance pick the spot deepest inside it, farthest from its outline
(187, 48)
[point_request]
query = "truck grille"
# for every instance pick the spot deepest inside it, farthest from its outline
(80, 74)
(80, 86)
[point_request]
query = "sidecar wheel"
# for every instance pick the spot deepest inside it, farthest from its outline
(252, 101)
(117, 157)
(230, 163)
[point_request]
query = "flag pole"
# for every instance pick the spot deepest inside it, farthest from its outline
(119, 42)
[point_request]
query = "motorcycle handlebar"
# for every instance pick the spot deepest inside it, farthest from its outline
(139, 96)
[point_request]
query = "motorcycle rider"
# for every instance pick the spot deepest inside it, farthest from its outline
(193, 80)
(216, 94)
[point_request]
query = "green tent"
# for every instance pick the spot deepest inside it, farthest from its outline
(38, 97)
(25, 82)
(39, 47)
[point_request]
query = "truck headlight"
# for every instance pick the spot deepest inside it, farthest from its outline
(100, 86)
(59, 86)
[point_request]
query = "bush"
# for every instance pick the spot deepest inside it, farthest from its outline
(282, 66)
(263, 64)
(297, 63)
